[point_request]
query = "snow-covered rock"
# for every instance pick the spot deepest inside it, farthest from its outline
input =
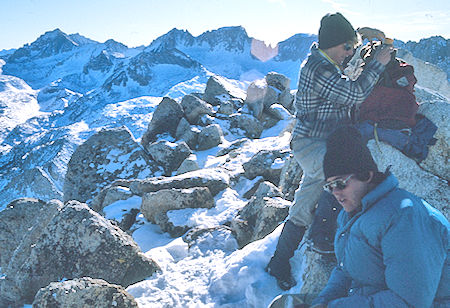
(246, 123)
(155, 205)
(189, 164)
(169, 155)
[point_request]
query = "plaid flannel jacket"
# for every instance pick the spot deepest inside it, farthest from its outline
(325, 96)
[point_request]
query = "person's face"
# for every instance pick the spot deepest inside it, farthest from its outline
(340, 52)
(350, 192)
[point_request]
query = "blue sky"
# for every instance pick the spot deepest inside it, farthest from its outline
(138, 22)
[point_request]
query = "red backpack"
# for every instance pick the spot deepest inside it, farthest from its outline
(392, 99)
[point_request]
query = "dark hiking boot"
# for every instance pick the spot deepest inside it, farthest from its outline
(284, 279)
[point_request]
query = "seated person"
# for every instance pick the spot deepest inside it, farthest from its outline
(391, 246)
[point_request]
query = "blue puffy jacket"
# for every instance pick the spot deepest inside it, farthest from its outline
(393, 253)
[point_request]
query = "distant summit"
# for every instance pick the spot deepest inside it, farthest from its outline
(48, 44)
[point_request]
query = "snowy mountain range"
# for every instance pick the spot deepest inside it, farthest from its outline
(60, 89)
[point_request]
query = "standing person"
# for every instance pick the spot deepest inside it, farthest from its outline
(392, 248)
(324, 100)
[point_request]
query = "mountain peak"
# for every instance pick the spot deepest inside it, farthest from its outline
(113, 45)
(172, 39)
(48, 44)
(233, 38)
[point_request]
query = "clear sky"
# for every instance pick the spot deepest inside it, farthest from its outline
(138, 22)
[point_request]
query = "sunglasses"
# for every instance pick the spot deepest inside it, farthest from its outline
(339, 184)
(348, 47)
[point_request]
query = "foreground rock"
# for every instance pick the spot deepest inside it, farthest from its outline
(106, 156)
(83, 292)
(76, 242)
(21, 218)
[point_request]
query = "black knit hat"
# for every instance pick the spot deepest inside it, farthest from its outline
(347, 153)
(334, 30)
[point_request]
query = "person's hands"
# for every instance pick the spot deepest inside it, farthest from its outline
(371, 33)
(383, 54)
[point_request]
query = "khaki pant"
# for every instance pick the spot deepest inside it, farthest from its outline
(309, 153)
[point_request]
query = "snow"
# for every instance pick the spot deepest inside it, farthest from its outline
(213, 273)
(117, 209)
(18, 103)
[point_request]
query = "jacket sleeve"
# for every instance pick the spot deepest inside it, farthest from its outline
(337, 286)
(414, 250)
(338, 89)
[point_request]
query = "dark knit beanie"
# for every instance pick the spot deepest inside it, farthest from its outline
(347, 153)
(334, 30)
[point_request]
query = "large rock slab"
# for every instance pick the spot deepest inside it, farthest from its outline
(428, 75)
(77, 242)
(317, 272)
(278, 81)
(209, 137)
(106, 156)
(259, 96)
(290, 177)
(84, 292)
(411, 177)
(188, 133)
